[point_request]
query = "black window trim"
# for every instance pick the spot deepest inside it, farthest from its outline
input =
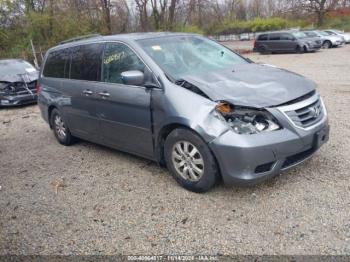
(104, 46)
(265, 35)
(70, 64)
(275, 34)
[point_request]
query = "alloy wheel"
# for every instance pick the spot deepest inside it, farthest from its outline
(188, 161)
(60, 127)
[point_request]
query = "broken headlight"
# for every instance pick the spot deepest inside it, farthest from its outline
(246, 120)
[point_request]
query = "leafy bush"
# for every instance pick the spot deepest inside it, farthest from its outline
(341, 23)
(255, 25)
(188, 29)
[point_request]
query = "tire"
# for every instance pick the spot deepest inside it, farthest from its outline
(60, 128)
(191, 179)
(298, 50)
(327, 44)
(262, 50)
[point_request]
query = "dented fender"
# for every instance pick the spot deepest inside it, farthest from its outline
(182, 107)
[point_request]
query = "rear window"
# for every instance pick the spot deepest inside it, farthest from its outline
(86, 62)
(262, 37)
(57, 64)
(275, 37)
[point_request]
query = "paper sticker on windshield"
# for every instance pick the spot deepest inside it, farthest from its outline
(156, 48)
(30, 70)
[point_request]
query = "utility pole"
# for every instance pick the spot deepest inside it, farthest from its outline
(34, 54)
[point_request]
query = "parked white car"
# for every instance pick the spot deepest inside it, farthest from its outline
(346, 36)
(327, 39)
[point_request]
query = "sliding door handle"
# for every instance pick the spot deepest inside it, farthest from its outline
(104, 94)
(87, 92)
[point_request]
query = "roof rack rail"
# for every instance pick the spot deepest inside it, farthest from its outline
(79, 38)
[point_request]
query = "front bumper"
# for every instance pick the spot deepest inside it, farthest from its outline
(250, 159)
(16, 100)
(338, 43)
(315, 47)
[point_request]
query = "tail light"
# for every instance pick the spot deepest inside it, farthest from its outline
(39, 88)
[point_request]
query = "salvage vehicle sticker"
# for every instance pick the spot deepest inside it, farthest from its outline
(156, 48)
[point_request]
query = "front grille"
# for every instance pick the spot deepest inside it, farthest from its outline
(20, 88)
(306, 113)
(297, 158)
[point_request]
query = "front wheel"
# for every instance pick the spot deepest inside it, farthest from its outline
(327, 44)
(299, 50)
(190, 161)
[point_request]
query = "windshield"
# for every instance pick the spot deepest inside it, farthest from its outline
(182, 55)
(299, 35)
(337, 31)
(311, 34)
(323, 33)
(15, 67)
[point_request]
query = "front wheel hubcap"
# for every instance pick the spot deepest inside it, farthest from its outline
(60, 127)
(188, 161)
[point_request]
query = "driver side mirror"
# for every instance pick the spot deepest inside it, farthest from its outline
(133, 78)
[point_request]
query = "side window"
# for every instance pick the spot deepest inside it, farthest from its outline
(275, 37)
(57, 64)
(286, 37)
(117, 59)
(262, 37)
(86, 62)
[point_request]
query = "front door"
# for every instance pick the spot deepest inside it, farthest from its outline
(124, 110)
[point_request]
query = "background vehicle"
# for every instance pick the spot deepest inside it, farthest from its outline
(18, 80)
(184, 101)
(345, 36)
(286, 41)
(244, 37)
(327, 39)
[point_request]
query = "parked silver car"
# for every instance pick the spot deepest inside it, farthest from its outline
(185, 102)
(327, 39)
(345, 36)
(18, 80)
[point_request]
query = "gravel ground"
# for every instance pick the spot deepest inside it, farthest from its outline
(109, 202)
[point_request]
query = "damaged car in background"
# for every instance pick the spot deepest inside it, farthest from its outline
(184, 101)
(18, 80)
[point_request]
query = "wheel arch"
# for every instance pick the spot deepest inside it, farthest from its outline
(49, 111)
(163, 134)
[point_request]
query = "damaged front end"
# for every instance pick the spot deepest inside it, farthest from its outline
(245, 120)
(242, 120)
(17, 93)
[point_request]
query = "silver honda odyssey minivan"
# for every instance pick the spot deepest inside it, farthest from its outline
(184, 101)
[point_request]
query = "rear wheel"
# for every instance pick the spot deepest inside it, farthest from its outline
(327, 44)
(60, 128)
(262, 49)
(190, 161)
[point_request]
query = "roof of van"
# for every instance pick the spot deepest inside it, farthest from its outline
(279, 32)
(122, 37)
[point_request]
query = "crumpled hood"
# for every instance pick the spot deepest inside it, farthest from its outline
(252, 85)
(28, 77)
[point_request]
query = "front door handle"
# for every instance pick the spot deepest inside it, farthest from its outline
(104, 94)
(87, 92)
